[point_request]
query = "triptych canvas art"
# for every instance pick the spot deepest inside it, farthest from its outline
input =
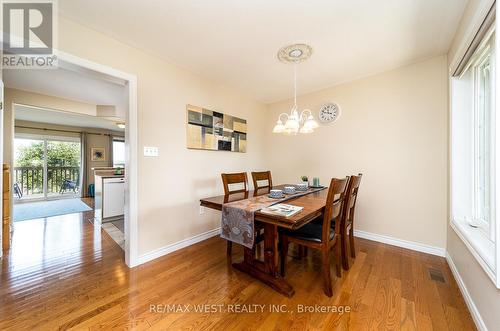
(211, 130)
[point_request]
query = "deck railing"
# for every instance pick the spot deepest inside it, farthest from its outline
(30, 179)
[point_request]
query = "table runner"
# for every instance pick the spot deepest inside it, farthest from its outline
(238, 217)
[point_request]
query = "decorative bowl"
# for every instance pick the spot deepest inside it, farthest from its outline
(276, 194)
(302, 186)
(289, 190)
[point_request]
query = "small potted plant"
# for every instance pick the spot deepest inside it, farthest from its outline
(305, 180)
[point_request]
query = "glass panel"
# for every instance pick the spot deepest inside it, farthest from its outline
(118, 153)
(63, 168)
(28, 175)
(483, 139)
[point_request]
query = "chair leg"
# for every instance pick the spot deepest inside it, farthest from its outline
(229, 250)
(338, 258)
(343, 248)
(327, 279)
(284, 253)
(351, 241)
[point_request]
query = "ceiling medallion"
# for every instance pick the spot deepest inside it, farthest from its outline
(294, 53)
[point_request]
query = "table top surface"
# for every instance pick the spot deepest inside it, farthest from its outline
(313, 203)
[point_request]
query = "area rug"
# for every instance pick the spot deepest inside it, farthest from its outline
(31, 210)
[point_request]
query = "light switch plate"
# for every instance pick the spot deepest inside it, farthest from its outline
(151, 151)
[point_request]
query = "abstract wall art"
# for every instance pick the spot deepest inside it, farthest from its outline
(98, 154)
(211, 130)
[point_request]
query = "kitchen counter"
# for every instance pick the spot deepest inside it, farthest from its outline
(111, 176)
(108, 173)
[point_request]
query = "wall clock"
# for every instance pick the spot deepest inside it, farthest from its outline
(329, 112)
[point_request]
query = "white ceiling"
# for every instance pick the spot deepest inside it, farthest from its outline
(40, 115)
(235, 42)
(69, 84)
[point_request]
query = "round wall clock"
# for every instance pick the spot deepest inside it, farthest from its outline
(329, 112)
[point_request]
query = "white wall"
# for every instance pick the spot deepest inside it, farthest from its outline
(171, 185)
(393, 129)
(482, 291)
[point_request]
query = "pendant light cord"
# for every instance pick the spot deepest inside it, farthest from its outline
(295, 84)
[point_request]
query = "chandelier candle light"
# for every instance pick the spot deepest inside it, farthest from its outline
(295, 123)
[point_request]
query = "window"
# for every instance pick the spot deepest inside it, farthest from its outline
(483, 139)
(118, 152)
(473, 145)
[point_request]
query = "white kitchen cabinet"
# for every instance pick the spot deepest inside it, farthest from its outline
(109, 197)
(113, 197)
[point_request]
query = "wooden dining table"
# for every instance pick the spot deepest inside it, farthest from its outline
(267, 271)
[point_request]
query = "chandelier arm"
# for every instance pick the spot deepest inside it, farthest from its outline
(279, 116)
(303, 114)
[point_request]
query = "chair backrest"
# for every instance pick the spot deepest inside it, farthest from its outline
(235, 178)
(334, 208)
(260, 176)
(352, 197)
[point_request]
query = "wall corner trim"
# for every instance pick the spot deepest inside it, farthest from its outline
(415, 246)
(476, 316)
(177, 245)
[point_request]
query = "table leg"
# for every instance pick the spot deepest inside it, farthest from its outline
(271, 249)
(266, 272)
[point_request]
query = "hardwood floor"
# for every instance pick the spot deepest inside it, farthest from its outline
(62, 273)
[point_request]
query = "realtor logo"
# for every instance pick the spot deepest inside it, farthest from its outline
(28, 34)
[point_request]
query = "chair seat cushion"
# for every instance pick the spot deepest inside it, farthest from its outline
(319, 220)
(311, 232)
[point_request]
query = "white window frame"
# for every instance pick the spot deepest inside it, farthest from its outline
(487, 226)
(481, 240)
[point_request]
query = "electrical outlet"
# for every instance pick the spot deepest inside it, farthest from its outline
(151, 151)
(202, 210)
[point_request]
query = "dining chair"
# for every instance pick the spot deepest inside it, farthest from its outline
(322, 237)
(347, 228)
(235, 179)
(262, 176)
(241, 179)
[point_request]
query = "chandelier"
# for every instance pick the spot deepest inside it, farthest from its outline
(295, 123)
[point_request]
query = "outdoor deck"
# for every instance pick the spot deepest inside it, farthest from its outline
(30, 181)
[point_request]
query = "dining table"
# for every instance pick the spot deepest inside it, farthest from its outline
(267, 270)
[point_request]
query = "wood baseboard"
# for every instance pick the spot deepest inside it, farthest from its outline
(476, 316)
(176, 246)
(415, 246)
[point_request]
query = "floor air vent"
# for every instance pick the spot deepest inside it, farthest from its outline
(436, 275)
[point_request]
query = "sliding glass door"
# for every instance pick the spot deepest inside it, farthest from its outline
(28, 174)
(46, 168)
(63, 168)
